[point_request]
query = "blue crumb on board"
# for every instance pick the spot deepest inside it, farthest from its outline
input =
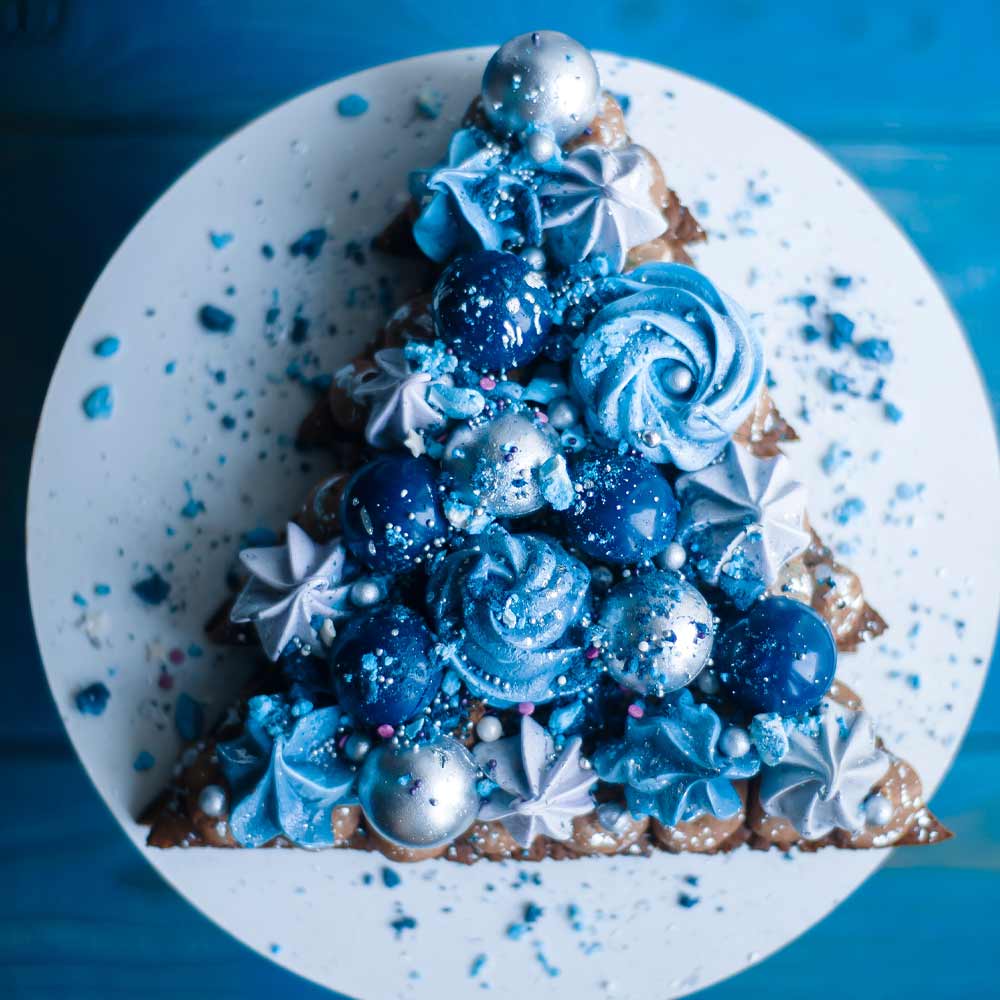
(106, 347)
(220, 240)
(93, 699)
(216, 320)
(189, 718)
(99, 403)
(351, 106)
(144, 761)
(309, 244)
(152, 589)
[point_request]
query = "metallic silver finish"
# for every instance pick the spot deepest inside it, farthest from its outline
(878, 810)
(563, 413)
(735, 741)
(212, 800)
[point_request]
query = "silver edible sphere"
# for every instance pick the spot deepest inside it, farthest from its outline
(495, 465)
(366, 593)
(734, 741)
(541, 147)
(489, 729)
(659, 632)
(613, 817)
(675, 556)
(357, 747)
(878, 810)
(212, 800)
(708, 682)
(679, 379)
(422, 796)
(544, 81)
(563, 413)
(534, 257)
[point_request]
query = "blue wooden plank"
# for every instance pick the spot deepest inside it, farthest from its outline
(828, 68)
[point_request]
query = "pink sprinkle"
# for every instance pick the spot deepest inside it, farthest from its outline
(636, 711)
(487, 383)
(526, 708)
(176, 655)
(342, 741)
(165, 681)
(592, 652)
(385, 730)
(543, 418)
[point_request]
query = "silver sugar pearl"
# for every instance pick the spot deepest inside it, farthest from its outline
(613, 817)
(357, 747)
(708, 682)
(878, 810)
(366, 593)
(422, 796)
(212, 800)
(652, 438)
(495, 465)
(675, 556)
(563, 413)
(679, 379)
(489, 729)
(534, 257)
(543, 81)
(540, 147)
(734, 741)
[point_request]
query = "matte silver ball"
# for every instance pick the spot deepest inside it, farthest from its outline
(563, 413)
(212, 800)
(357, 747)
(366, 593)
(613, 817)
(679, 379)
(494, 465)
(534, 257)
(489, 729)
(541, 147)
(544, 81)
(734, 741)
(422, 796)
(659, 632)
(675, 556)
(878, 810)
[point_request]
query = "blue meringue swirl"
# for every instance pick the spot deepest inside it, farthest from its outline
(512, 608)
(284, 775)
(481, 198)
(671, 767)
(670, 366)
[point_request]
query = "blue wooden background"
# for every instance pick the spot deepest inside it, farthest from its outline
(104, 102)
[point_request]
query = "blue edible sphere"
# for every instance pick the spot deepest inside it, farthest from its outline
(625, 510)
(383, 668)
(493, 310)
(391, 513)
(780, 657)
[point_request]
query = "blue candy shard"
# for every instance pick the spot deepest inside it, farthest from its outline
(99, 403)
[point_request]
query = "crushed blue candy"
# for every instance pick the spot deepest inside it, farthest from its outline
(477, 965)
(834, 458)
(153, 589)
(309, 244)
(93, 699)
(220, 240)
(875, 349)
(216, 320)
(841, 330)
(351, 106)
(107, 346)
(390, 878)
(99, 403)
(847, 510)
(893, 413)
(189, 718)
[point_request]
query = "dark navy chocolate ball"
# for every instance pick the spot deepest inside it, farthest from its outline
(391, 513)
(625, 510)
(493, 310)
(780, 657)
(383, 668)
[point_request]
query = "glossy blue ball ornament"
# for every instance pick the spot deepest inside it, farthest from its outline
(493, 310)
(391, 514)
(780, 657)
(625, 510)
(382, 667)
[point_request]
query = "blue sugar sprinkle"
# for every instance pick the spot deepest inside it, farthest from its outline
(192, 508)
(532, 912)
(849, 509)
(351, 106)
(144, 761)
(806, 301)
(170, 367)
(107, 346)
(390, 878)
(877, 389)
(216, 320)
(834, 458)
(477, 965)
(267, 251)
(80, 600)
(93, 699)
(220, 240)
(841, 330)
(810, 334)
(189, 718)
(228, 422)
(309, 244)
(840, 383)
(893, 413)
(516, 931)
(842, 281)
(402, 923)
(687, 900)
(274, 948)
(99, 403)
(300, 329)
(875, 349)
(153, 589)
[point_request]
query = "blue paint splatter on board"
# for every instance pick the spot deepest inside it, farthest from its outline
(351, 106)
(107, 346)
(309, 244)
(193, 507)
(99, 403)
(216, 320)
(93, 699)
(153, 589)
(390, 878)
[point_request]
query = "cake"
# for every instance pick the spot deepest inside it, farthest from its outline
(561, 596)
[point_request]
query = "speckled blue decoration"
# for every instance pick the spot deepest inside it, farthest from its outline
(493, 310)
(391, 513)
(780, 657)
(383, 668)
(625, 511)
